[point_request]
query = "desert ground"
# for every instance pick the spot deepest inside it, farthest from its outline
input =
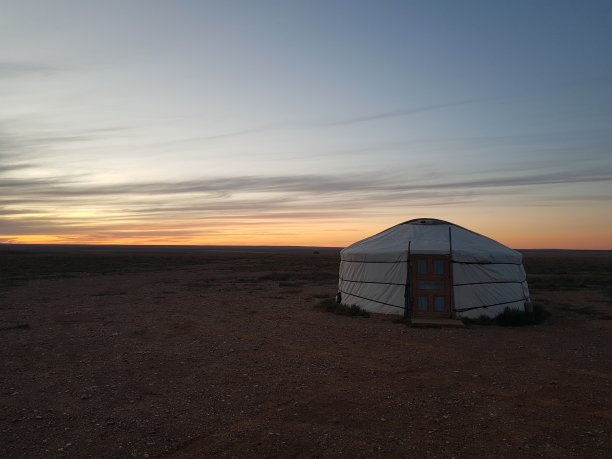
(193, 353)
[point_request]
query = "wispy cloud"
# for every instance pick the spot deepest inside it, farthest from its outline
(36, 200)
(310, 184)
(265, 197)
(13, 167)
(402, 112)
(30, 143)
(13, 69)
(220, 135)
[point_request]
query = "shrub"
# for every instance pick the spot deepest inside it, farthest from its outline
(482, 320)
(18, 326)
(513, 317)
(329, 304)
(517, 318)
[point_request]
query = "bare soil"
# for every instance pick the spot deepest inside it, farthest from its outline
(226, 355)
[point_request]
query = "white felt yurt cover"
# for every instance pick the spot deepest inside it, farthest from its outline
(487, 276)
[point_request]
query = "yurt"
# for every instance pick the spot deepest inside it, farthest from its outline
(429, 268)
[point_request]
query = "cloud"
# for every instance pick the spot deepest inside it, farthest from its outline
(401, 112)
(268, 192)
(12, 143)
(222, 135)
(351, 185)
(68, 204)
(13, 167)
(13, 69)
(545, 178)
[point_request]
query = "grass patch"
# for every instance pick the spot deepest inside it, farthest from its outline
(566, 272)
(480, 320)
(19, 326)
(513, 317)
(516, 318)
(306, 274)
(557, 283)
(277, 276)
(247, 280)
(109, 294)
(284, 279)
(584, 311)
(204, 283)
(291, 283)
(293, 291)
(330, 305)
(19, 268)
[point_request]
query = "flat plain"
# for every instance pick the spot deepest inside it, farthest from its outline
(157, 352)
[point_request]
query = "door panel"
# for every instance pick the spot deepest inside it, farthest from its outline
(431, 286)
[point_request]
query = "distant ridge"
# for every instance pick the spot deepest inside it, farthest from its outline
(566, 252)
(84, 248)
(109, 248)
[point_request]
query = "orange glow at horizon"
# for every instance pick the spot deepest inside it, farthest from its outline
(318, 235)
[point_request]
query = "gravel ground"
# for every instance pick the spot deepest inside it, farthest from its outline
(227, 355)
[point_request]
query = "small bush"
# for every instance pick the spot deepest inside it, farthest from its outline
(517, 318)
(513, 317)
(480, 320)
(290, 283)
(18, 326)
(330, 305)
(585, 311)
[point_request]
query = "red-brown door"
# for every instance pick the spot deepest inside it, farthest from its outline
(431, 286)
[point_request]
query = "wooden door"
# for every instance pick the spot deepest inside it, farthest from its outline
(431, 286)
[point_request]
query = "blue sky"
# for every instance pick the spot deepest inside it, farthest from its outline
(301, 122)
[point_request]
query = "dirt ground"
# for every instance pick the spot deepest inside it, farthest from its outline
(225, 355)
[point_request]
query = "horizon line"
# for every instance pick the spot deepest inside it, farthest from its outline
(227, 246)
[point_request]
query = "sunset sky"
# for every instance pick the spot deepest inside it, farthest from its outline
(304, 122)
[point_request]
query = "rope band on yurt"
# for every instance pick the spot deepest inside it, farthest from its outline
(408, 288)
(371, 282)
(488, 305)
(370, 299)
(494, 282)
(360, 261)
(452, 261)
(451, 274)
(484, 263)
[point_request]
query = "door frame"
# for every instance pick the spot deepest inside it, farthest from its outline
(448, 290)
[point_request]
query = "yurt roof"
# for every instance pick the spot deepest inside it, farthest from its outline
(430, 236)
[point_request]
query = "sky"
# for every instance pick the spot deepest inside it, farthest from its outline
(311, 123)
